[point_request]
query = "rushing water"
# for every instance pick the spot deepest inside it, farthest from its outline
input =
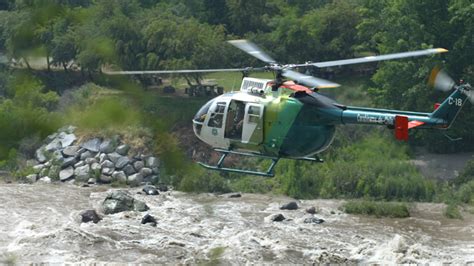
(40, 223)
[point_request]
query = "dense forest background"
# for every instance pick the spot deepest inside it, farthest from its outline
(76, 39)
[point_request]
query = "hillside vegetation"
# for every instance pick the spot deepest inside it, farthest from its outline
(76, 40)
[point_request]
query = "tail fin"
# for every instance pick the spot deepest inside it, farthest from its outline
(449, 109)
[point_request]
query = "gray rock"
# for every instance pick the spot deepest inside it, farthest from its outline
(146, 172)
(37, 168)
(119, 176)
(45, 179)
(107, 164)
(113, 157)
(91, 181)
(92, 145)
(57, 156)
(152, 162)
(90, 216)
(148, 219)
(51, 137)
(67, 140)
(277, 217)
(69, 161)
(86, 154)
(102, 157)
(53, 145)
(31, 178)
(119, 201)
(107, 171)
(82, 173)
(40, 155)
(135, 179)
(31, 163)
(105, 179)
(313, 220)
(138, 165)
(234, 195)
(289, 206)
(95, 167)
(162, 187)
(107, 146)
(150, 190)
(67, 173)
(67, 129)
(311, 210)
(47, 164)
(122, 149)
(90, 160)
(79, 164)
(121, 162)
(129, 170)
(155, 170)
(71, 150)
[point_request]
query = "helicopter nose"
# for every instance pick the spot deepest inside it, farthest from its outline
(200, 117)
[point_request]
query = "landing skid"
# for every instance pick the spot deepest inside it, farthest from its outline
(268, 173)
(218, 167)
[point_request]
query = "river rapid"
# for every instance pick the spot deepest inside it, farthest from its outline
(40, 223)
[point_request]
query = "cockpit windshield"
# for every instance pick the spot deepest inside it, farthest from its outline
(201, 114)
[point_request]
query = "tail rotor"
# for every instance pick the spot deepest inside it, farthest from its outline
(440, 80)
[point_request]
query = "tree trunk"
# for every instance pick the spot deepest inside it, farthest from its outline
(48, 63)
(27, 64)
(64, 66)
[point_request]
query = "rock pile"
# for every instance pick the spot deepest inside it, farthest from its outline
(95, 160)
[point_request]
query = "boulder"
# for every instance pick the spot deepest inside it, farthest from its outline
(148, 219)
(107, 164)
(162, 187)
(31, 178)
(121, 162)
(67, 173)
(122, 149)
(119, 201)
(113, 157)
(57, 156)
(69, 161)
(107, 171)
(79, 164)
(311, 210)
(135, 179)
(45, 179)
(55, 144)
(90, 216)
(234, 195)
(90, 160)
(146, 172)
(107, 146)
(155, 170)
(54, 172)
(82, 173)
(105, 179)
(150, 190)
(71, 151)
(51, 137)
(119, 176)
(87, 154)
(102, 157)
(67, 129)
(44, 172)
(95, 167)
(292, 205)
(92, 145)
(91, 181)
(67, 140)
(129, 170)
(152, 162)
(277, 217)
(40, 155)
(138, 165)
(313, 220)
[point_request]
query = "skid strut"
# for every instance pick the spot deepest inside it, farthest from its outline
(219, 166)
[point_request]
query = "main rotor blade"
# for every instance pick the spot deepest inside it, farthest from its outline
(253, 50)
(375, 58)
(183, 71)
(309, 80)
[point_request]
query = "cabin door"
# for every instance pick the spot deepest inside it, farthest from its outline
(252, 131)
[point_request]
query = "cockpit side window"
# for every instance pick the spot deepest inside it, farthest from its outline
(217, 115)
(201, 114)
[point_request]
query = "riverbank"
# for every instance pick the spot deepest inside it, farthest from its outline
(41, 223)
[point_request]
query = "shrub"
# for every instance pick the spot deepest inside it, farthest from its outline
(452, 211)
(378, 209)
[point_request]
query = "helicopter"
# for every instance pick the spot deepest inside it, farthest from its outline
(288, 117)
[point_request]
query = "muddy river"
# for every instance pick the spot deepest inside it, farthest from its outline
(40, 224)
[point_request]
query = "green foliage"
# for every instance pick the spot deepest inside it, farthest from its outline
(452, 211)
(378, 209)
(199, 180)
